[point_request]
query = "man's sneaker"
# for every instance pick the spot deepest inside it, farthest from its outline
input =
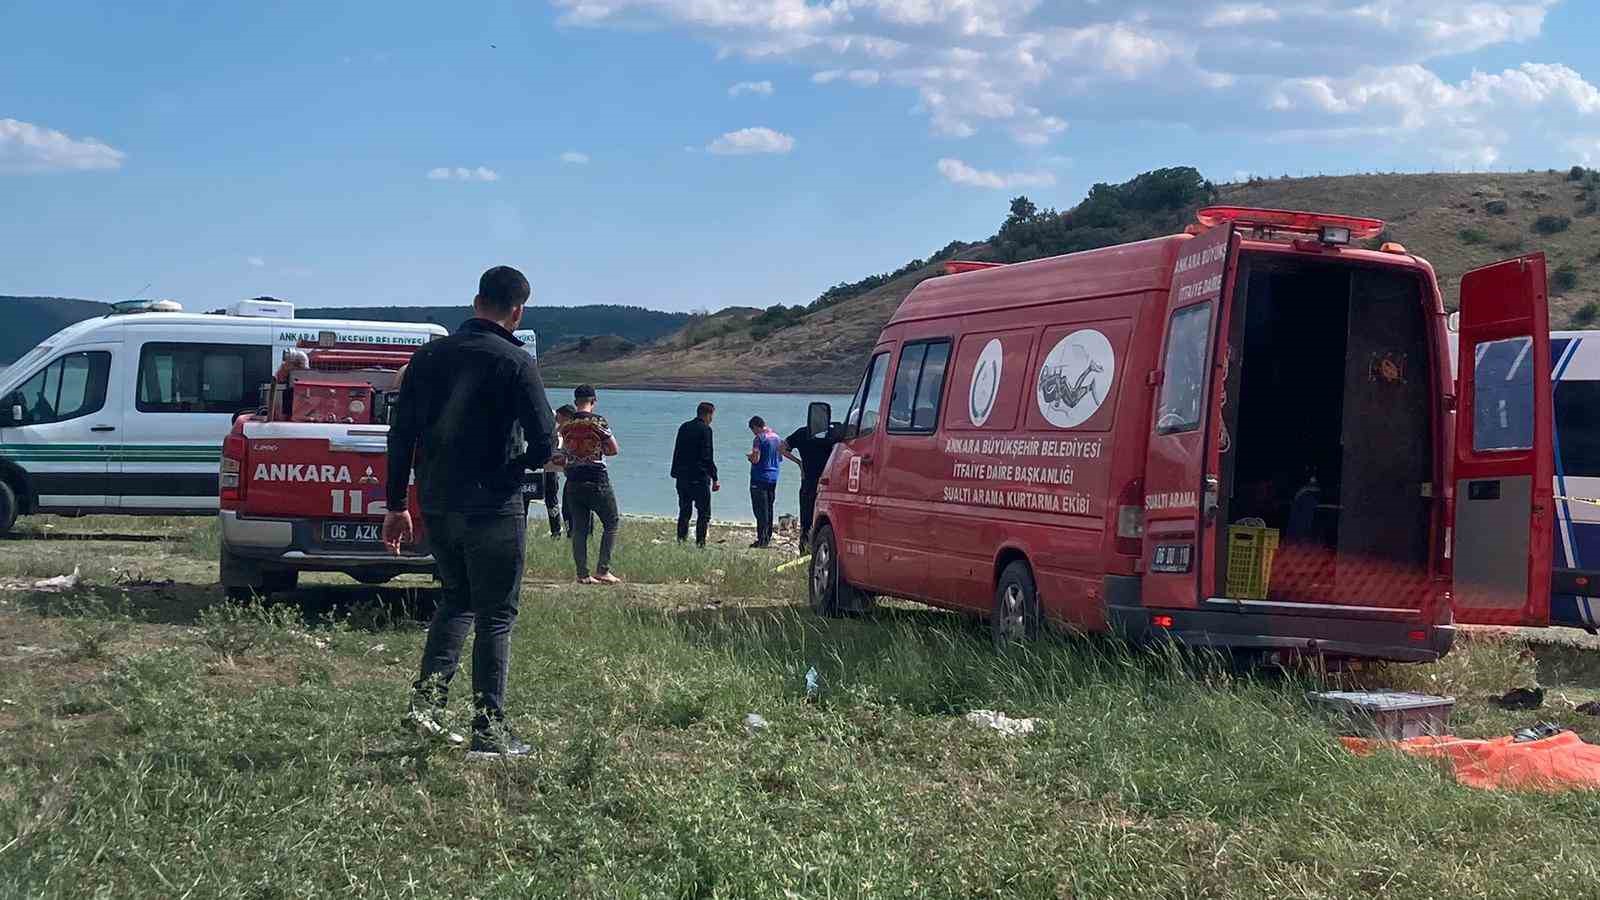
(607, 578)
(427, 726)
(497, 743)
(588, 579)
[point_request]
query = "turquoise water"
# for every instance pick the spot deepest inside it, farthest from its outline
(646, 424)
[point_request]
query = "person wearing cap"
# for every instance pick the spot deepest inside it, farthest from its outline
(462, 403)
(586, 441)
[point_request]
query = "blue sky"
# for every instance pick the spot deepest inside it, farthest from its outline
(368, 153)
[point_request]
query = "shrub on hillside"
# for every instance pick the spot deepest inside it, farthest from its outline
(1472, 236)
(1564, 278)
(1496, 207)
(1576, 173)
(775, 318)
(1551, 224)
(1149, 205)
(1514, 245)
(1585, 315)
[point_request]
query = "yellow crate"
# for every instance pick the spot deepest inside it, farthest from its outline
(1250, 552)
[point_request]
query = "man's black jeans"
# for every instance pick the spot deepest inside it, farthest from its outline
(808, 509)
(587, 499)
(480, 568)
(762, 498)
(696, 495)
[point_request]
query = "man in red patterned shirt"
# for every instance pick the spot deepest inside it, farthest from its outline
(586, 441)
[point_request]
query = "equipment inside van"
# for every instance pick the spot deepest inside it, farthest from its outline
(1243, 436)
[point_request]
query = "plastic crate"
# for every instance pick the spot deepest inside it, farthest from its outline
(1390, 715)
(1250, 552)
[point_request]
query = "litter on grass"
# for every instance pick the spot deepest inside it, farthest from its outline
(999, 721)
(1560, 762)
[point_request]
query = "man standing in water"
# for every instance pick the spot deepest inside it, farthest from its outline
(694, 468)
(814, 450)
(586, 441)
(458, 414)
(764, 464)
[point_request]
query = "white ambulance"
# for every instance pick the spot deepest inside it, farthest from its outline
(126, 413)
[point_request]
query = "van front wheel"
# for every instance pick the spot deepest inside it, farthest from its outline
(829, 593)
(1016, 618)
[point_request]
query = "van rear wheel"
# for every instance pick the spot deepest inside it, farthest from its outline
(8, 507)
(1016, 619)
(830, 594)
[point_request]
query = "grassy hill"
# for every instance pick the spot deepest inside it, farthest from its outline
(25, 321)
(1457, 222)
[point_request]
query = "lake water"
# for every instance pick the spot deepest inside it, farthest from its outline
(646, 424)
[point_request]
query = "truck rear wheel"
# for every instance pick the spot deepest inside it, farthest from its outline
(8, 507)
(1016, 618)
(829, 593)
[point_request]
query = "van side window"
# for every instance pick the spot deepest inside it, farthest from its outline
(1183, 383)
(1578, 449)
(70, 387)
(201, 378)
(1502, 387)
(918, 384)
(863, 418)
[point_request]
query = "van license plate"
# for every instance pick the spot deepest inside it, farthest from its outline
(352, 532)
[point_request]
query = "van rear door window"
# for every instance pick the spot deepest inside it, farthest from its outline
(1183, 383)
(918, 384)
(201, 378)
(1502, 385)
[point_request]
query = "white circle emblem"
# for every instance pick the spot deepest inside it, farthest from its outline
(1075, 378)
(985, 382)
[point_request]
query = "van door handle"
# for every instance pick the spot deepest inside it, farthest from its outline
(103, 428)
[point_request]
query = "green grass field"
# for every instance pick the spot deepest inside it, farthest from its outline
(156, 741)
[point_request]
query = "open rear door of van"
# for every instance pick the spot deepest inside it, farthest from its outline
(1182, 466)
(1504, 458)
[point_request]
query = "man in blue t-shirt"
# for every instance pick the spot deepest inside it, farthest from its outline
(764, 463)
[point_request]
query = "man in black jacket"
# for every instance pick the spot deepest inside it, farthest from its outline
(458, 411)
(694, 468)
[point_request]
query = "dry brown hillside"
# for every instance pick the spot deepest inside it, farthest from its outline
(1455, 221)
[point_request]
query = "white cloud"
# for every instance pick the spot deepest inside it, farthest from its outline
(255, 261)
(759, 88)
(574, 158)
(461, 173)
(27, 149)
(1023, 68)
(957, 172)
(751, 140)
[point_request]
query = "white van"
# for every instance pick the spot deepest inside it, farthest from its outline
(126, 413)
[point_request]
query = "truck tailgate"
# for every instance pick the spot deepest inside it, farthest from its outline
(314, 470)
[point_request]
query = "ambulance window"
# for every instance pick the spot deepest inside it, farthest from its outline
(1577, 429)
(918, 383)
(1502, 386)
(201, 378)
(72, 386)
(863, 418)
(1184, 373)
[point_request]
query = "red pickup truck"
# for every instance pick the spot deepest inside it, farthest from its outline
(302, 478)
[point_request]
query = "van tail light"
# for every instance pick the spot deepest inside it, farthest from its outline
(230, 475)
(1130, 519)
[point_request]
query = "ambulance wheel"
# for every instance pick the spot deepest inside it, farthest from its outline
(8, 507)
(830, 594)
(1016, 618)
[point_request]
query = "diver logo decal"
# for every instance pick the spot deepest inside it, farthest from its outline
(985, 383)
(1075, 378)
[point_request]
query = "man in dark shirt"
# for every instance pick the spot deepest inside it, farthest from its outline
(814, 450)
(458, 414)
(694, 468)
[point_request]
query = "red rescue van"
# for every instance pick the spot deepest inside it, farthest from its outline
(1243, 436)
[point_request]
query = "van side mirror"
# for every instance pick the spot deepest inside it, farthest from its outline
(818, 416)
(15, 414)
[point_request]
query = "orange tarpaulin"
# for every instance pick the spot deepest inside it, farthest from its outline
(1556, 763)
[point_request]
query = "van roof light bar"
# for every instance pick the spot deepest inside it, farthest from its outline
(1332, 229)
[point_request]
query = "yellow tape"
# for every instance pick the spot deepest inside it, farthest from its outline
(1592, 501)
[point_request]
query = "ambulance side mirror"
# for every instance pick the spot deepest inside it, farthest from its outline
(14, 412)
(15, 417)
(819, 416)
